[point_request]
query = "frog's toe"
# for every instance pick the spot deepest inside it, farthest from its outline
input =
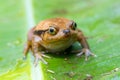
(46, 56)
(40, 57)
(87, 53)
(79, 54)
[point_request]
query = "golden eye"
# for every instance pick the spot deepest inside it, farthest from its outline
(52, 30)
(74, 26)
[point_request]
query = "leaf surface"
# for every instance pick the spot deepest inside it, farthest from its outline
(99, 19)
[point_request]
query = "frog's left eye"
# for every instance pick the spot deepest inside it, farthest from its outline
(52, 30)
(74, 26)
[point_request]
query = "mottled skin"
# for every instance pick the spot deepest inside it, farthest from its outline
(55, 35)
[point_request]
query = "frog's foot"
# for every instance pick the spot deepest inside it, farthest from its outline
(40, 57)
(87, 53)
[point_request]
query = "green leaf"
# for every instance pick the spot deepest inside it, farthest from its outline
(99, 19)
(12, 37)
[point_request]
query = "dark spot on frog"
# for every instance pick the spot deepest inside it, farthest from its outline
(66, 31)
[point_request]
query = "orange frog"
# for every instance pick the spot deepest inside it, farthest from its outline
(55, 35)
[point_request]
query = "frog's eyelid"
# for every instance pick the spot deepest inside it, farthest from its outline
(74, 23)
(57, 28)
(70, 23)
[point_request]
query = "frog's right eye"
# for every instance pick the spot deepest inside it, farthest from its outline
(74, 26)
(52, 31)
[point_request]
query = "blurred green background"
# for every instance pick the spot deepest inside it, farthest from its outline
(99, 19)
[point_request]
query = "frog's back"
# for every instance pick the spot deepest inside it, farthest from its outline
(45, 24)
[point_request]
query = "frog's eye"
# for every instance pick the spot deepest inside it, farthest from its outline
(52, 30)
(74, 26)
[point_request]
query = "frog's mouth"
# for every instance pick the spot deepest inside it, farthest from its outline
(61, 38)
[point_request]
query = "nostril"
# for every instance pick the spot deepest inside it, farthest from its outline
(66, 31)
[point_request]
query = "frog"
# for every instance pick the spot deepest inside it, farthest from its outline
(55, 35)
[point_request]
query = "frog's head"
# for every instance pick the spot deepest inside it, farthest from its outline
(56, 29)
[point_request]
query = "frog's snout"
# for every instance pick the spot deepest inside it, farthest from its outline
(67, 31)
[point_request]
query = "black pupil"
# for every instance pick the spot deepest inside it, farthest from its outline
(51, 30)
(75, 25)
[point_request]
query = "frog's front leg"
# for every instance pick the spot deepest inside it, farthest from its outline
(85, 46)
(27, 47)
(38, 53)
